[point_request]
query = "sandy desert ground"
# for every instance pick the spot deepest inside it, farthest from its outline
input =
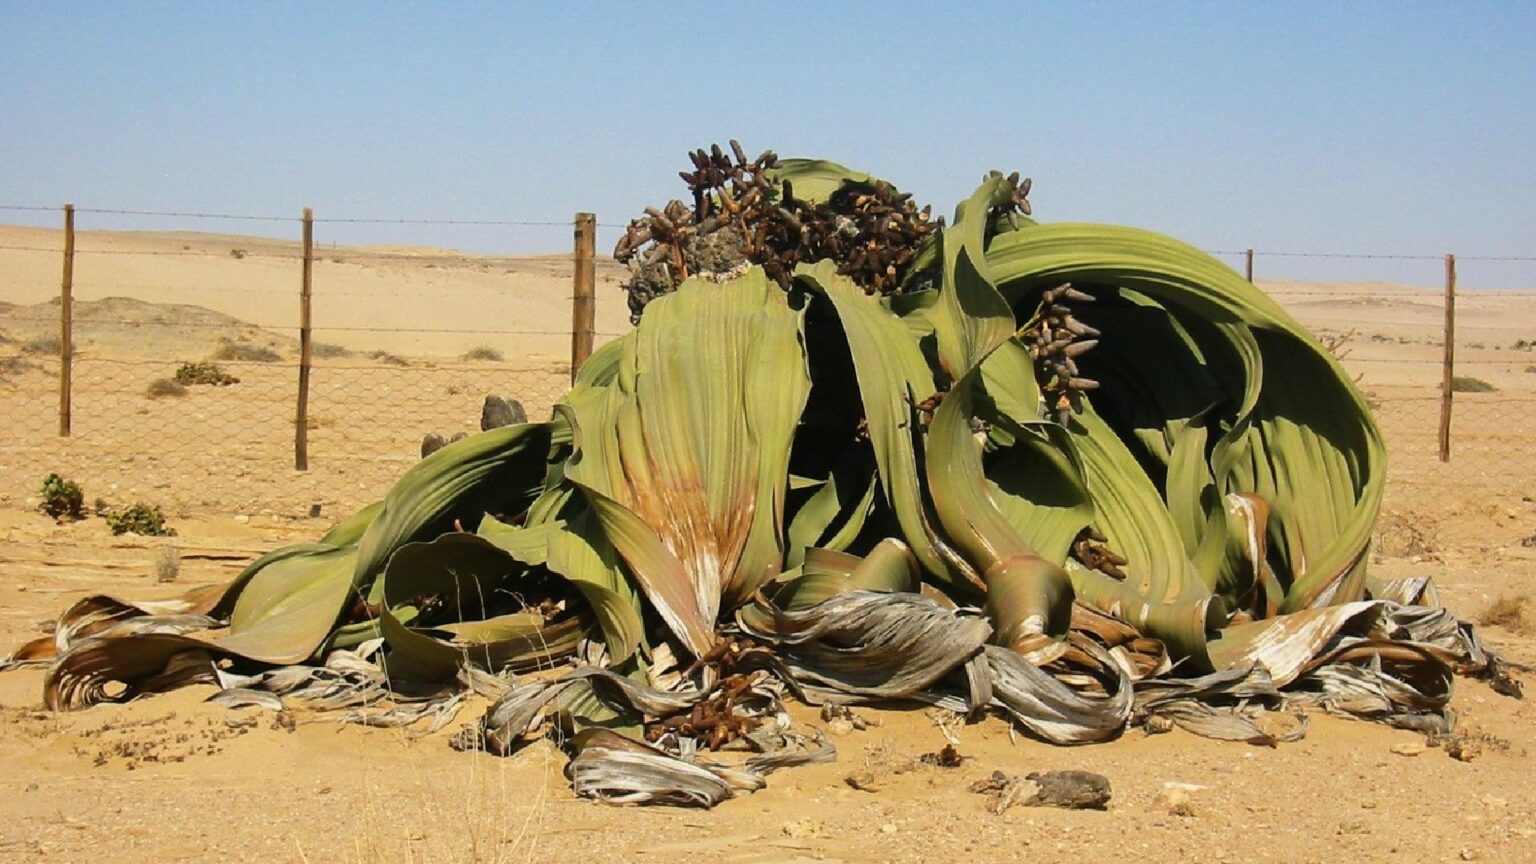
(170, 779)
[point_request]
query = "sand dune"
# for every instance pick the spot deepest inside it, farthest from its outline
(410, 301)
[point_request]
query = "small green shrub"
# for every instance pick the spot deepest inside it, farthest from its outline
(62, 499)
(326, 349)
(245, 352)
(483, 352)
(1465, 384)
(388, 358)
(204, 373)
(161, 388)
(139, 518)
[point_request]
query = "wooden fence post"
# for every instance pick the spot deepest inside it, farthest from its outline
(1248, 264)
(301, 415)
(67, 324)
(1447, 376)
(583, 295)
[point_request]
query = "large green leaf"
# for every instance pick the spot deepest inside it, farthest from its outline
(892, 379)
(1028, 596)
(815, 180)
(498, 471)
(466, 579)
(684, 457)
(1295, 433)
(578, 550)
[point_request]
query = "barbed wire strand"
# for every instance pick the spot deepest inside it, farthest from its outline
(371, 220)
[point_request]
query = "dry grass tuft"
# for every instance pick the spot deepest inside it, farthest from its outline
(1513, 612)
(388, 359)
(326, 349)
(16, 365)
(246, 352)
(167, 564)
(484, 352)
(163, 387)
(1468, 384)
(41, 345)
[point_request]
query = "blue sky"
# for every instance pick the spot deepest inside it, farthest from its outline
(1291, 126)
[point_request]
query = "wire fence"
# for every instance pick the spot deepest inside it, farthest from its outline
(184, 379)
(1392, 338)
(408, 340)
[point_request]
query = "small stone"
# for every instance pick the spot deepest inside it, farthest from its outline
(1463, 749)
(1409, 748)
(1175, 801)
(1468, 855)
(801, 829)
(949, 757)
(1072, 790)
(1353, 826)
(498, 412)
(840, 726)
(890, 828)
(242, 519)
(431, 443)
(864, 781)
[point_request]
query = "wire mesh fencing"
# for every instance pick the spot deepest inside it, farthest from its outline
(185, 369)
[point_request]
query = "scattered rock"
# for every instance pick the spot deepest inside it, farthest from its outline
(997, 781)
(1175, 800)
(830, 713)
(1463, 748)
(1408, 748)
(431, 443)
(1469, 855)
(498, 412)
(801, 829)
(949, 757)
(888, 828)
(1071, 790)
(840, 727)
(864, 781)
(1353, 826)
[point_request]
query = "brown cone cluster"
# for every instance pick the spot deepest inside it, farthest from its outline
(743, 214)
